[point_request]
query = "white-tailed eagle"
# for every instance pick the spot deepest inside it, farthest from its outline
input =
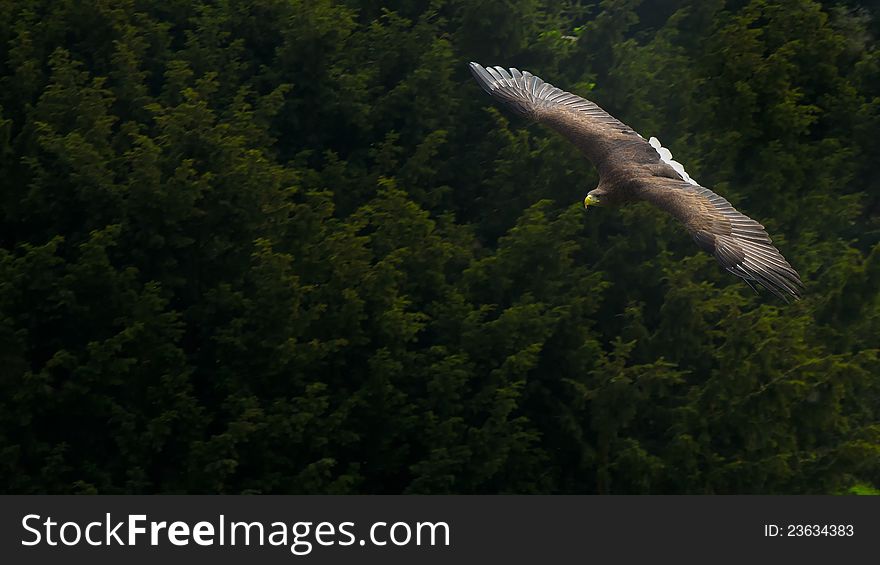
(633, 169)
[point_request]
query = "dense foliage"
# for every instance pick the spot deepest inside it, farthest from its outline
(289, 246)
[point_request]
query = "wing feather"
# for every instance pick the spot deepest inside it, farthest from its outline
(739, 243)
(596, 132)
(528, 94)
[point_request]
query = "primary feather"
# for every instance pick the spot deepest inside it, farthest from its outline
(631, 168)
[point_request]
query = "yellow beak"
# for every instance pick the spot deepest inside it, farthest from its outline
(590, 201)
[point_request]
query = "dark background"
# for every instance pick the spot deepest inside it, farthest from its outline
(287, 246)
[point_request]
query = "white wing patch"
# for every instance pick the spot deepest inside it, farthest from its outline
(666, 157)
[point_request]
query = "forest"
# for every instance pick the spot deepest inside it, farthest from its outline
(291, 247)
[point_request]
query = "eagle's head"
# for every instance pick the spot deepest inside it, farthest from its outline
(594, 198)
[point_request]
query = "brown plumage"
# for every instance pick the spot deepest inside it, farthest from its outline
(633, 169)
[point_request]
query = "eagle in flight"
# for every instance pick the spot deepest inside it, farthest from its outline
(632, 169)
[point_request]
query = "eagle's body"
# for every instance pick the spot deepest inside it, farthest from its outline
(632, 169)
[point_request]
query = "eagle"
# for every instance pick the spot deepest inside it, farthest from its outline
(633, 169)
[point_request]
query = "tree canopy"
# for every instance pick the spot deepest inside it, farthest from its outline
(289, 246)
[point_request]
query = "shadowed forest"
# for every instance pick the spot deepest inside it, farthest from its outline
(290, 246)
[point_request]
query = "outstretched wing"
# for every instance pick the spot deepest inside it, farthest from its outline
(611, 145)
(738, 242)
(596, 132)
(528, 95)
